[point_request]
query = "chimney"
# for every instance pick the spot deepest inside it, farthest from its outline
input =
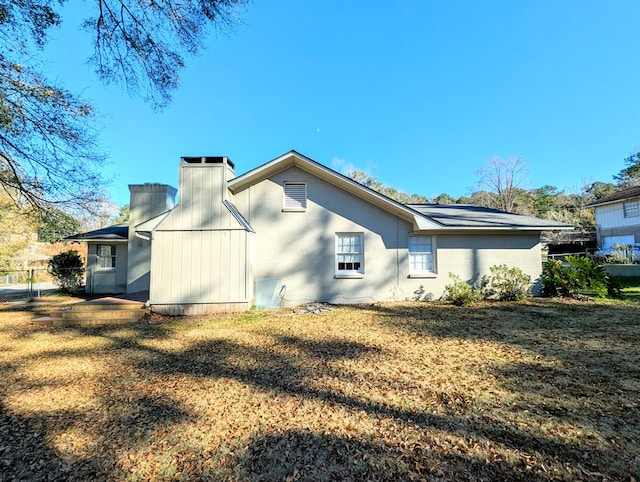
(204, 178)
(146, 201)
(202, 190)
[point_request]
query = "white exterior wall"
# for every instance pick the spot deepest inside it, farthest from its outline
(612, 216)
(106, 280)
(610, 222)
(298, 248)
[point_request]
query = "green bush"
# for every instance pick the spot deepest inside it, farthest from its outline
(460, 292)
(506, 284)
(68, 270)
(556, 280)
(580, 276)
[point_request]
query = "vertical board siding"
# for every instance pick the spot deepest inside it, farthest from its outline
(200, 251)
(201, 196)
(199, 267)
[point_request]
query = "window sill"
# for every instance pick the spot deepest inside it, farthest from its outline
(104, 270)
(423, 275)
(348, 276)
(293, 210)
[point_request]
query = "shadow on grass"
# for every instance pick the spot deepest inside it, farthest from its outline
(544, 328)
(303, 455)
(26, 453)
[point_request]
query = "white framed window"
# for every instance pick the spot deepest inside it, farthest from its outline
(295, 196)
(349, 254)
(106, 256)
(631, 209)
(420, 254)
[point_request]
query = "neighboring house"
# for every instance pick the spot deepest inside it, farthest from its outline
(293, 231)
(618, 218)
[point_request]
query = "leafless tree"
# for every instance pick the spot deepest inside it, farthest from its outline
(48, 152)
(505, 178)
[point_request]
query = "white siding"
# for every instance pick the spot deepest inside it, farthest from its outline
(612, 216)
(201, 194)
(199, 267)
(200, 252)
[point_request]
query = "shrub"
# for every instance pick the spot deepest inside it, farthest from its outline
(506, 284)
(556, 280)
(68, 270)
(619, 255)
(578, 277)
(460, 292)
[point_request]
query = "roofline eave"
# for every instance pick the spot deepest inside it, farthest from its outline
(293, 158)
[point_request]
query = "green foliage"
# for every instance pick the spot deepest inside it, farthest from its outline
(372, 183)
(580, 276)
(506, 284)
(68, 269)
(55, 225)
(544, 199)
(460, 292)
(630, 175)
(599, 189)
(16, 228)
(123, 215)
(556, 280)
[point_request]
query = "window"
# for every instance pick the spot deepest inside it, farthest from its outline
(631, 209)
(106, 256)
(349, 254)
(295, 196)
(420, 254)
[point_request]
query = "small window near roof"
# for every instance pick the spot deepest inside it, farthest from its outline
(295, 196)
(106, 256)
(631, 209)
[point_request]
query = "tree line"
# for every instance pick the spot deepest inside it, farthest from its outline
(52, 169)
(502, 185)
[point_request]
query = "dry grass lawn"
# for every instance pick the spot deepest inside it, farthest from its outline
(539, 390)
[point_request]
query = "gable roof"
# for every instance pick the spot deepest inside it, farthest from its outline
(293, 158)
(117, 232)
(624, 195)
(425, 217)
(467, 216)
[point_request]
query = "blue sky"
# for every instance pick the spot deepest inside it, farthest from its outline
(420, 93)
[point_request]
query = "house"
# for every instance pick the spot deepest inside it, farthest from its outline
(618, 218)
(292, 231)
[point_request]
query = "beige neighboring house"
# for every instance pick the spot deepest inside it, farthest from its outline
(618, 218)
(294, 231)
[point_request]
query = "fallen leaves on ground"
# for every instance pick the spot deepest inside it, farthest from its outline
(537, 390)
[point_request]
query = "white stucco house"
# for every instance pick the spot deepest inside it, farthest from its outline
(618, 218)
(293, 231)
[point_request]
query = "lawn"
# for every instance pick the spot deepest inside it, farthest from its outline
(537, 390)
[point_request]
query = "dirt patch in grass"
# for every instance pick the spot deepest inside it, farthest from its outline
(538, 390)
